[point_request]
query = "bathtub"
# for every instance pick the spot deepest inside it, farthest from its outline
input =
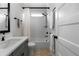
(42, 44)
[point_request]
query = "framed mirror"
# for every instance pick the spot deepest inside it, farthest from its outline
(4, 17)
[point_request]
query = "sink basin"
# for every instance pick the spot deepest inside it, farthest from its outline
(8, 43)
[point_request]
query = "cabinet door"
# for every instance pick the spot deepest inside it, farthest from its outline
(26, 52)
(21, 50)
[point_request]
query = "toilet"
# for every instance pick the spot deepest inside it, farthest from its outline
(31, 46)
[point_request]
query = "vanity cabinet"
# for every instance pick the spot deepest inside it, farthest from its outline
(22, 50)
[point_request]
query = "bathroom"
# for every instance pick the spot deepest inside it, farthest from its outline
(39, 29)
(30, 22)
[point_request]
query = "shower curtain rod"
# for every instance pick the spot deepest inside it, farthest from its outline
(36, 7)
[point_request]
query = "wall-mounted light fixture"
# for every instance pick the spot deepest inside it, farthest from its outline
(37, 15)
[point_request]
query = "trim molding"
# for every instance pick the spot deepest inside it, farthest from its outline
(69, 24)
(68, 41)
(68, 49)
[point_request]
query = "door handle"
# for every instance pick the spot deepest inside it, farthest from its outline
(55, 36)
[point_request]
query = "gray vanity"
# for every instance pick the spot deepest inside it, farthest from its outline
(21, 50)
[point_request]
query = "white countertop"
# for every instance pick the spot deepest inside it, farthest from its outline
(8, 51)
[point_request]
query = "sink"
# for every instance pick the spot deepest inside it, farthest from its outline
(8, 43)
(11, 44)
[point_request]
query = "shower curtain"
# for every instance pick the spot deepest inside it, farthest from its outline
(26, 22)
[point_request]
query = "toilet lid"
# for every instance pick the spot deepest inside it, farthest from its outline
(31, 44)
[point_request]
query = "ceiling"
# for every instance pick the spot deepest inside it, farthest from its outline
(36, 4)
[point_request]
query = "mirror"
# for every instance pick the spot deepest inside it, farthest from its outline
(4, 17)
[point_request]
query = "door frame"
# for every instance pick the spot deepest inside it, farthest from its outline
(54, 29)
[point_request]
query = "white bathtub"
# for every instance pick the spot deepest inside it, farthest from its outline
(42, 44)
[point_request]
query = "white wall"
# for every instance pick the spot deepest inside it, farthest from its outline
(15, 11)
(38, 31)
(68, 29)
(50, 19)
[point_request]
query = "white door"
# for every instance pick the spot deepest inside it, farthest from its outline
(67, 43)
